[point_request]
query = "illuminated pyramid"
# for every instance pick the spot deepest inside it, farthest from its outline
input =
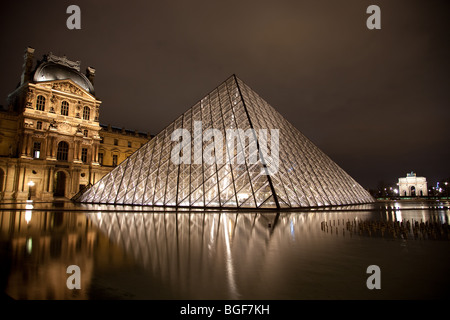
(272, 166)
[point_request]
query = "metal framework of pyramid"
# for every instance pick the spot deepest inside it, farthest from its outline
(306, 177)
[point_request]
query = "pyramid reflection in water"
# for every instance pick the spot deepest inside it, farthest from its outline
(296, 174)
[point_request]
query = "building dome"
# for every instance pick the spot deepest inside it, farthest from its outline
(50, 71)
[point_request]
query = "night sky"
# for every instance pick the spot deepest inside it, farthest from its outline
(375, 101)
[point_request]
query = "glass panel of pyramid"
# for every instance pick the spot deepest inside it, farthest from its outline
(230, 150)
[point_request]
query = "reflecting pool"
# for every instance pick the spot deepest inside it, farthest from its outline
(136, 253)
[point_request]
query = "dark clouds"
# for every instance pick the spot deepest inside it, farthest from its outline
(375, 101)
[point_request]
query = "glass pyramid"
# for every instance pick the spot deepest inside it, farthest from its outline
(282, 169)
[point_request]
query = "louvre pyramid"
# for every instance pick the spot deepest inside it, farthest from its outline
(306, 177)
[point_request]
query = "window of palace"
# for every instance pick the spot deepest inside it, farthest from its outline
(63, 151)
(114, 162)
(100, 158)
(86, 113)
(116, 142)
(40, 103)
(39, 125)
(65, 108)
(85, 132)
(36, 150)
(84, 152)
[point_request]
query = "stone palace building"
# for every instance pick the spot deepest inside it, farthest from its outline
(51, 141)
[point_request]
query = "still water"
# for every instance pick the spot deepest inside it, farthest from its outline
(135, 253)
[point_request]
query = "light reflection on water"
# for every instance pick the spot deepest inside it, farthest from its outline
(135, 254)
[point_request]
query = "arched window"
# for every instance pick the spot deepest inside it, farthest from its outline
(86, 113)
(65, 108)
(40, 103)
(63, 150)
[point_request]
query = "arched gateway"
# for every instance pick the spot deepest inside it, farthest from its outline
(412, 186)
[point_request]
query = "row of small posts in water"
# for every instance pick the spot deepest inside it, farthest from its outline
(428, 230)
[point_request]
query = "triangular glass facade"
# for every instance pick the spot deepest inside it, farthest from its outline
(248, 171)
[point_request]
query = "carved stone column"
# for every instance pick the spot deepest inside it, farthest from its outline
(21, 178)
(79, 150)
(21, 191)
(29, 146)
(10, 181)
(76, 146)
(95, 153)
(54, 148)
(48, 184)
(51, 148)
(23, 153)
(45, 181)
(51, 179)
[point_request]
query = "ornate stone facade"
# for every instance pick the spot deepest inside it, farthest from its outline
(412, 186)
(50, 137)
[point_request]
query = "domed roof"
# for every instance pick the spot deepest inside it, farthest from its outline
(50, 71)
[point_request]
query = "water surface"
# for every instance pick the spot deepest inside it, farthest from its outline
(135, 253)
